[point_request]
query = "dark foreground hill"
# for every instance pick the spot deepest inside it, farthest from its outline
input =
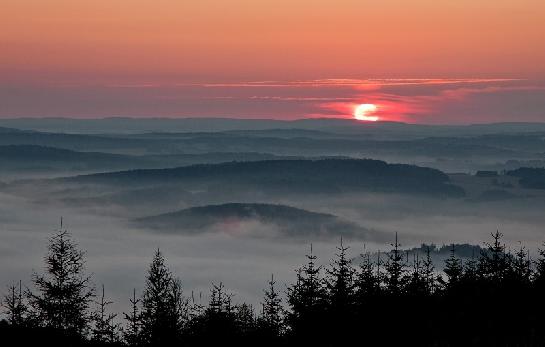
(327, 176)
(232, 217)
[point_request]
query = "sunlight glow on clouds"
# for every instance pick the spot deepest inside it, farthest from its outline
(421, 61)
(366, 112)
(408, 100)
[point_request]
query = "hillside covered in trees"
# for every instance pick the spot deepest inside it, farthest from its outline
(290, 176)
(284, 219)
(492, 299)
(532, 178)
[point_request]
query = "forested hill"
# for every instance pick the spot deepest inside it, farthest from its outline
(286, 219)
(31, 153)
(323, 176)
(532, 178)
(4, 130)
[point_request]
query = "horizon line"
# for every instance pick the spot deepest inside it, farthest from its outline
(208, 118)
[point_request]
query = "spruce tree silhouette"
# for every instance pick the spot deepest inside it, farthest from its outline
(471, 275)
(428, 273)
(494, 261)
(453, 270)
(105, 330)
(218, 322)
(368, 300)
(16, 308)
(220, 301)
(162, 314)
(521, 268)
(340, 295)
(493, 300)
(416, 282)
(538, 299)
(340, 281)
(307, 299)
(539, 274)
(271, 320)
(395, 271)
(368, 280)
(64, 291)
(132, 332)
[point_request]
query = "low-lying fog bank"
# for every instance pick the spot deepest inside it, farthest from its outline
(243, 255)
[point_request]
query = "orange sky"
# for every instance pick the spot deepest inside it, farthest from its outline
(253, 39)
(176, 41)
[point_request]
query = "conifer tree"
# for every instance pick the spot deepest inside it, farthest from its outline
(428, 273)
(162, 305)
(179, 304)
(340, 295)
(218, 322)
(220, 301)
(471, 274)
(306, 299)
(105, 330)
(395, 270)
(522, 267)
(64, 291)
(416, 282)
(15, 306)
(539, 274)
(494, 263)
(309, 292)
(538, 286)
(340, 281)
(453, 269)
(271, 319)
(132, 332)
(368, 279)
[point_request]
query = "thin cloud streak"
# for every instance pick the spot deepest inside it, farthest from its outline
(418, 100)
(351, 82)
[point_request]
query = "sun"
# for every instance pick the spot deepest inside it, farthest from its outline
(365, 111)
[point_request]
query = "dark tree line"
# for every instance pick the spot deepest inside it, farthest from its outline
(495, 298)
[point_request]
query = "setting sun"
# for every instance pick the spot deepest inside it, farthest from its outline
(365, 112)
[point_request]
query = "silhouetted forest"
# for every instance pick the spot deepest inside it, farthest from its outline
(328, 176)
(492, 299)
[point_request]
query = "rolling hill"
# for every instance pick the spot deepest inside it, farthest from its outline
(531, 178)
(35, 158)
(232, 217)
(278, 177)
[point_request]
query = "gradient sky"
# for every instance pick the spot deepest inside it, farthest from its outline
(436, 61)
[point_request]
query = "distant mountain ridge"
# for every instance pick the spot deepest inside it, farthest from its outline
(148, 143)
(377, 141)
(135, 125)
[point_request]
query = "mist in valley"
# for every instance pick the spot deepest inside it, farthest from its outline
(264, 227)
